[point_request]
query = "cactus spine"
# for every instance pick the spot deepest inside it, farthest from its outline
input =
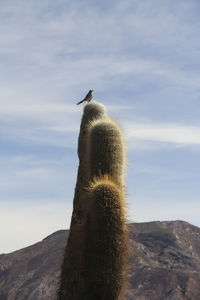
(95, 257)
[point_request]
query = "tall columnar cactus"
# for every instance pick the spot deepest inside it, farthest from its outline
(94, 262)
(72, 282)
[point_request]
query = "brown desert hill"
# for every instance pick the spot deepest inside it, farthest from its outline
(164, 264)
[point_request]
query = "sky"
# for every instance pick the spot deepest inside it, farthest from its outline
(142, 60)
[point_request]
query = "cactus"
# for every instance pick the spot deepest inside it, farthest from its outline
(106, 150)
(107, 231)
(95, 256)
(107, 241)
(72, 282)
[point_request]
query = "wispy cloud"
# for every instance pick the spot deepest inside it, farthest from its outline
(66, 58)
(33, 177)
(176, 134)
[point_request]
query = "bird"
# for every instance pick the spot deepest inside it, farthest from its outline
(87, 98)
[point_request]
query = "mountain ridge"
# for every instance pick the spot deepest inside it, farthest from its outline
(163, 264)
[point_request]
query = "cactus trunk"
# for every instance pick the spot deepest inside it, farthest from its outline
(95, 256)
(72, 282)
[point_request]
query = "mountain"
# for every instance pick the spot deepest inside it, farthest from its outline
(164, 264)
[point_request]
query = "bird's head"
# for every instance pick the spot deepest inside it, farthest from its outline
(91, 91)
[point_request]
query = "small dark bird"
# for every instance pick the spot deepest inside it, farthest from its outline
(87, 98)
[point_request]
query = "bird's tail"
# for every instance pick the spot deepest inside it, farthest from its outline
(79, 102)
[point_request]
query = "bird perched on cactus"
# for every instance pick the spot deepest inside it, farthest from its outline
(87, 98)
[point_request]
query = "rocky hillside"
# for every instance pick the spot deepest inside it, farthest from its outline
(164, 264)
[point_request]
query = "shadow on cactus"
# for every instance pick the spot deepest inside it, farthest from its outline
(95, 257)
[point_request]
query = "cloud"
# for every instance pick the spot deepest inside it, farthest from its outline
(33, 177)
(51, 113)
(176, 134)
(26, 110)
(65, 57)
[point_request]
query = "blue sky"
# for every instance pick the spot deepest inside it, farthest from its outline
(142, 60)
